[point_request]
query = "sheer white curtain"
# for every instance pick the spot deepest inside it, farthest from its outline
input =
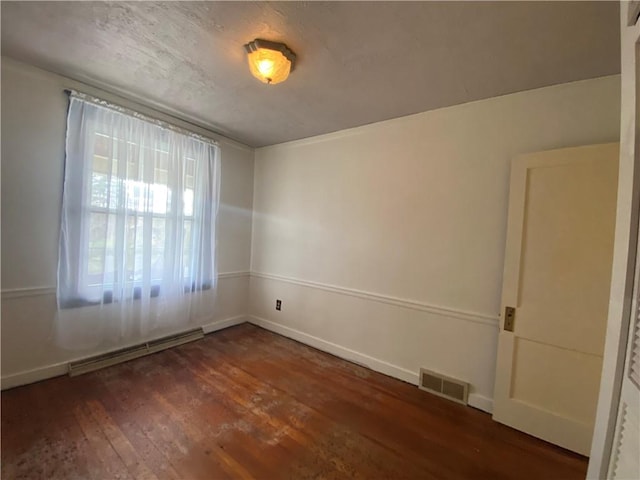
(137, 239)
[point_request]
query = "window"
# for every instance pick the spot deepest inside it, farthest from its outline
(139, 208)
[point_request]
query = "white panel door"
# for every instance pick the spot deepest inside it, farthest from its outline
(625, 453)
(557, 278)
(615, 450)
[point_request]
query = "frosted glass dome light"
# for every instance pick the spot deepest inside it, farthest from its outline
(270, 62)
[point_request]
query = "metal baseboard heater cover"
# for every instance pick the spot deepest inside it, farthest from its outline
(114, 357)
(444, 386)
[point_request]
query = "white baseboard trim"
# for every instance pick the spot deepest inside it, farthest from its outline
(477, 401)
(62, 368)
(338, 350)
(475, 317)
(220, 324)
(481, 402)
(35, 375)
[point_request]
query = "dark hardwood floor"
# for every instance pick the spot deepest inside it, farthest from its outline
(246, 403)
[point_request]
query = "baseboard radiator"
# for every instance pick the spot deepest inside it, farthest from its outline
(444, 386)
(97, 362)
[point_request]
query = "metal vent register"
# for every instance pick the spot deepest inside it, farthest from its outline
(444, 386)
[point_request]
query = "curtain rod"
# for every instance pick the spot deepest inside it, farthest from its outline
(141, 116)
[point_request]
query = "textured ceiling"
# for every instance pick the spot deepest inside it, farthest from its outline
(358, 62)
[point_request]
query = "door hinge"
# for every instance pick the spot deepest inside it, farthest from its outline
(509, 318)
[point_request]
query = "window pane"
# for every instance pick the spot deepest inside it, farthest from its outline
(133, 248)
(101, 164)
(136, 193)
(186, 249)
(102, 144)
(97, 242)
(96, 262)
(99, 190)
(158, 237)
(133, 168)
(187, 200)
(110, 261)
(115, 186)
(162, 162)
(160, 176)
(160, 198)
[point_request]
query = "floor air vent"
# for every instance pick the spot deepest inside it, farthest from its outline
(444, 386)
(118, 356)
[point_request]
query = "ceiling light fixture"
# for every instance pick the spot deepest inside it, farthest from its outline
(269, 62)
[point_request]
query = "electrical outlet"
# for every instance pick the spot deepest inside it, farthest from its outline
(278, 304)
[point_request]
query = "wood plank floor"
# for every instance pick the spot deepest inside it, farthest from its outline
(246, 403)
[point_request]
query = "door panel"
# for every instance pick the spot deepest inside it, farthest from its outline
(557, 276)
(565, 280)
(552, 378)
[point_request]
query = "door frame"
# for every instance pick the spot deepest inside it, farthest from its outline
(625, 246)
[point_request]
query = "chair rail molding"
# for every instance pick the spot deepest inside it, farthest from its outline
(482, 318)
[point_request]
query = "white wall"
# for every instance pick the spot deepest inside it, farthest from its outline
(385, 242)
(33, 131)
